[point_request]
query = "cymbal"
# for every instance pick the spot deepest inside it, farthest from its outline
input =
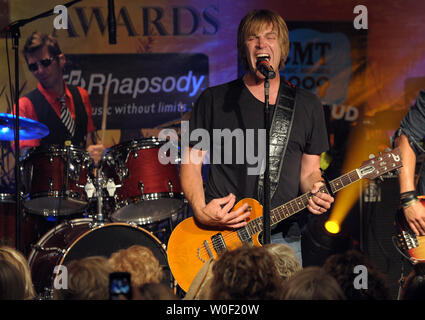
(28, 129)
(175, 122)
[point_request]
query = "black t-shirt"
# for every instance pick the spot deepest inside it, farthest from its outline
(232, 106)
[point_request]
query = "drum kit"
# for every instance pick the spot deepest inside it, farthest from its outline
(78, 209)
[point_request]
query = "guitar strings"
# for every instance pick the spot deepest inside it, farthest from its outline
(334, 184)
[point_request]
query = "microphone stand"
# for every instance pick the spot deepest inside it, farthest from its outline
(14, 30)
(266, 207)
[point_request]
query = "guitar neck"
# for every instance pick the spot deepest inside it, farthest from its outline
(296, 205)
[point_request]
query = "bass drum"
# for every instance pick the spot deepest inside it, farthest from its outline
(80, 238)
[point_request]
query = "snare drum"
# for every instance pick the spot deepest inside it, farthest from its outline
(148, 191)
(54, 179)
(80, 238)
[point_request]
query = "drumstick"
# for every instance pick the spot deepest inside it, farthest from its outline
(105, 111)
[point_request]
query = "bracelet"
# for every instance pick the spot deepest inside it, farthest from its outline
(408, 193)
(409, 203)
(407, 197)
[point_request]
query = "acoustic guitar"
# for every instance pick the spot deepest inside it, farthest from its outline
(191, 244)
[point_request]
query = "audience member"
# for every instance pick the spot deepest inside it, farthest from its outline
(413, 287)
(312, 283)
(12, 281)
(140, 262)
(21, 263)
(285, 258)
(247, 272)
(154, 291)
(88, 279)
(342, 267)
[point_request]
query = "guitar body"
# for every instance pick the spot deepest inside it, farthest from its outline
(186, 249)
(407, 240)
(191, 244)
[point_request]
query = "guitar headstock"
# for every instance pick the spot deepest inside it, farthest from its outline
(388, 161)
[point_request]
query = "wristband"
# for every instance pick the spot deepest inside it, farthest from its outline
(409, 203)
(408, 196)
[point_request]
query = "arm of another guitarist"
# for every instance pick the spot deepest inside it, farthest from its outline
(415, 212)
(217, 211)
(311, 181)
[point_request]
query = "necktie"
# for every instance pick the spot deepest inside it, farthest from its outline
(66, 116)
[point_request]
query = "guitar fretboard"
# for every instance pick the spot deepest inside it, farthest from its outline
(296, 205)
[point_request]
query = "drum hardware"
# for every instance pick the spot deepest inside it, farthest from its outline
(51, 185)
(133, 224)
(42, 249)
(89, 188)
(170, 187)
(111, 187)
(100, 184)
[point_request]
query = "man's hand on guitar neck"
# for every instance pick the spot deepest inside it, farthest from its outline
(217, 213)
(320, 202)
(415, 217)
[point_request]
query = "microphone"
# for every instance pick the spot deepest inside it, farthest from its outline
(265, 68)
(112, 23)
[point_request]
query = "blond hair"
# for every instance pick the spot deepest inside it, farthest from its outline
(285, 259)
(21, 264)
(88, 279)
(140, 262)
(253, 23)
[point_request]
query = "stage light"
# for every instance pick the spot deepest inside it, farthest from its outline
(332, 227)
(318, 243)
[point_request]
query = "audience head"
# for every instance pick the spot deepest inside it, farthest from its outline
(414, 285)
(12, 281)
(154, 291)
(342, 268)
(285, 258)
(21, 263)
(245, 273)
(140, 262)
(88, 279)
(312, 283)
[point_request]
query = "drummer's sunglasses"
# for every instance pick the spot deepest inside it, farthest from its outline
(44, 62)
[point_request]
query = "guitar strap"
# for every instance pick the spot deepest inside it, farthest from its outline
(280, 130)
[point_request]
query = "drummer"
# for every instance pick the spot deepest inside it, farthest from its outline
(65, 110)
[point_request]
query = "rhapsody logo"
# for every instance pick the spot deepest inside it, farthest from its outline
(134, 87)
(224, 143)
